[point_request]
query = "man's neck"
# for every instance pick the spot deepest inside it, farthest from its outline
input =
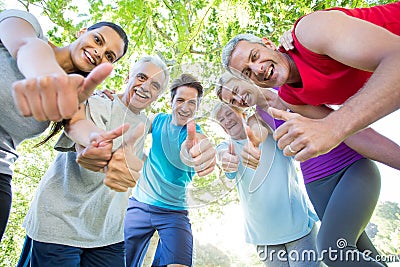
(294, 74)
(124, 100)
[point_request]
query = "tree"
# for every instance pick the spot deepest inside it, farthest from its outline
(189, 36)
(387, 218)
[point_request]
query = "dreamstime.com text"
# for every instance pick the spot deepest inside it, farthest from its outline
(332, 254)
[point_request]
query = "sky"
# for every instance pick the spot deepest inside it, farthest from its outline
(388, 126)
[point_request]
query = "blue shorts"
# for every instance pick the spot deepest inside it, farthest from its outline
(175, 245)
(48, 254)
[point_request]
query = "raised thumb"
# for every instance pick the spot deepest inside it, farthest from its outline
(252, 137)
(96, 77)
(191, 134)
(281, 114)
(232, 149)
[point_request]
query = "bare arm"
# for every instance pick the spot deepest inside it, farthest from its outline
(79, 129)
(384, 150)
(34, 56)
(94, 145)
(372, 49)
(47, 92)
(375, 146)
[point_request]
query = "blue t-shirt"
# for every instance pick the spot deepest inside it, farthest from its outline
(275, 209)
(165, 177)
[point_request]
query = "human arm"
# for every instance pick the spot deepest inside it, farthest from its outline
(94, 145)
(47, 92)
(197, 151)
(379, 96)
(124, 168)
(105, 93)
(384, 150)
(84, 131)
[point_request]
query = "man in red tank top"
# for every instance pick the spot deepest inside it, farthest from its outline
(351, 49)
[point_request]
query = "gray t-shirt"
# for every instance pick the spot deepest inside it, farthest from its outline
(14, 128)
(72, 206)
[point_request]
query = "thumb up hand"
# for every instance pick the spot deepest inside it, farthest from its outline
(251, 152)
(229, 159)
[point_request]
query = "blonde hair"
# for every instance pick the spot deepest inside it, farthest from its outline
(224, 79)
(217, 108)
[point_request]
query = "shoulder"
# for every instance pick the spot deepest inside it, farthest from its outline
(157, 120)
(29, 17)
(99, 106)
(316, 38)
(159, 117)
(98, 100)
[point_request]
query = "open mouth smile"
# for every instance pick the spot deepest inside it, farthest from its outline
(89, 57)
(269, 72)
(184, 115)
(244, 100)
(140, 93)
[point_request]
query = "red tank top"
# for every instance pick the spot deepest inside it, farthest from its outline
(325, 80)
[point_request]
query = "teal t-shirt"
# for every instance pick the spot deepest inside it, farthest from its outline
(165, 177)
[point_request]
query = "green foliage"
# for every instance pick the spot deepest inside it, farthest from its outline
(182, 33)
(29, 169)
(387, 219)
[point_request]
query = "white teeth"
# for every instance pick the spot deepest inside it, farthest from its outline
(230, 126)
(90, 58)
(245, 98)
(269, 72)
(183, 115)
(141, 93)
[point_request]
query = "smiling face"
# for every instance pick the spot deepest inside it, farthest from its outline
(95, 47)
(240, 93)
(145, 84)
(231, 122)
(262, 64)
(184, 105)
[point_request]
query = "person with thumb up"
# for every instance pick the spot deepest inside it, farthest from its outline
(159, 201)
(277, 216)
(78, 212)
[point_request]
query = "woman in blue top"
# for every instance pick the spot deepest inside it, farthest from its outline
(277, 217)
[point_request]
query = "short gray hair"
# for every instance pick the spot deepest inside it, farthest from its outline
(156, 61)
(231, 45)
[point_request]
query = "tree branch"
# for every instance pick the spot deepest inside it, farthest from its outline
(160, 31)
